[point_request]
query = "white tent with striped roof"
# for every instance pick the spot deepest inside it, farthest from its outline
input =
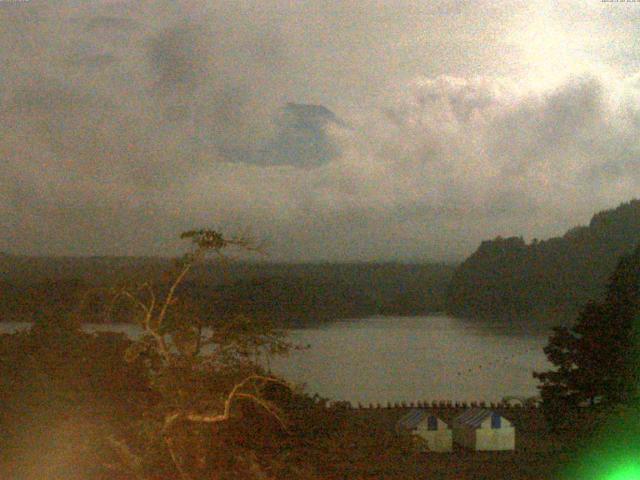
(481, 429)
(435, 435)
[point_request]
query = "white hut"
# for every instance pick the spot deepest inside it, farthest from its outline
(435, 434)
(480, 429)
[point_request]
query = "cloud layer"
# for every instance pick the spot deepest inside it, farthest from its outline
(126, 122)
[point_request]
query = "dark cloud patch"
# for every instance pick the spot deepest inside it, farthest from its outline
(174, 59)
(541, 127)
(577, 106)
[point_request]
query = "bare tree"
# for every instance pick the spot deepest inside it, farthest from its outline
(200, 373)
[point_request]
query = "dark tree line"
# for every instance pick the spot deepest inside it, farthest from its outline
(293, 294)
(509, 277)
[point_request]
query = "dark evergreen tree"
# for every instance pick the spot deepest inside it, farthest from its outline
(597, 359)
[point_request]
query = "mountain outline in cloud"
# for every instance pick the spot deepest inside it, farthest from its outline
(301, 138)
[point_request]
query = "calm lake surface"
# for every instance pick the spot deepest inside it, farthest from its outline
(393, 359)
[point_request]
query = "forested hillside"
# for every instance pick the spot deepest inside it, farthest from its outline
(290, 293)
(555, 277)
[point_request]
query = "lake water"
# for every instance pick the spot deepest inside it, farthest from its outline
(394, 359)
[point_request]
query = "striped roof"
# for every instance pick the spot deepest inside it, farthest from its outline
(473, 417)
(412, 419)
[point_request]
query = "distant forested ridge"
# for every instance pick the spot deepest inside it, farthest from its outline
(554, 277)
(294, 294)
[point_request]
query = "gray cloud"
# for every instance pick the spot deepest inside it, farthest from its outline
(352, 131)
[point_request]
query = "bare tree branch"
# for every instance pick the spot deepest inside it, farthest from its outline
(155, 309)
(234, 394)
(264, 404)
(169, 298)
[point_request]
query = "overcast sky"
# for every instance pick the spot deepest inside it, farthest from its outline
(362, 130)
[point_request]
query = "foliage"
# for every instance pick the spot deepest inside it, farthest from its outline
(340, 442)
(179, 401)
(558, 276)
(187, 399)
(62, 391)
(597, 359)
(206, 379)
